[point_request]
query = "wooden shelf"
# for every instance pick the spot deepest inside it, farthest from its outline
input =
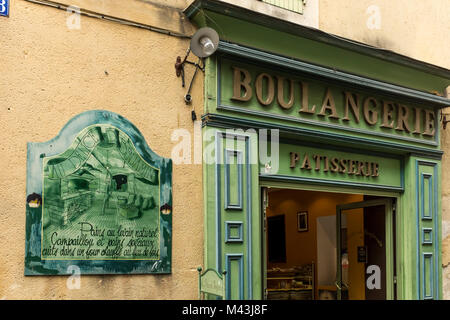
(290, 289)
(329, 288)
(297, 284)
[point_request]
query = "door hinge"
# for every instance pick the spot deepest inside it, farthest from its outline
(266, 198)
(395, 279)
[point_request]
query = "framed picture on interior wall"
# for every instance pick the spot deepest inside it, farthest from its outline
(302, 221)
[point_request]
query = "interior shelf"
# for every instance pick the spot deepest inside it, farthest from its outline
(291, 284)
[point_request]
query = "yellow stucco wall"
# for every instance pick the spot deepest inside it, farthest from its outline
(49, 74)
(415, 28)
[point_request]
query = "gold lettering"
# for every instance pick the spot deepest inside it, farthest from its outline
(350, 167)
(402, 118)
(326, 164)
(294, 159)
(328, 104)
(280, 96)
(259, 89)
(343, 166)
(317, 158)
(369, 170)
(350, 101)
(334, 164)
(239, 84)
(360, 170)
(305, 99)
(393, 115)
(375, 171)
(388, 107)
(306, 163)
(417, 119)
(370, 115)
(429, 123)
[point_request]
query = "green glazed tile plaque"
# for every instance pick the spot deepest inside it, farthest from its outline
(99, 199)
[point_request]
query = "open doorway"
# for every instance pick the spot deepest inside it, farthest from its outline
(305, 231)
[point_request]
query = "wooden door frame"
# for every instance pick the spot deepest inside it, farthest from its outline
(390, 242)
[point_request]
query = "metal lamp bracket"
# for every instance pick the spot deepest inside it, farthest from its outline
(179, 69)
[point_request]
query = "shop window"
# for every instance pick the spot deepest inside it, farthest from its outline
(292, 5)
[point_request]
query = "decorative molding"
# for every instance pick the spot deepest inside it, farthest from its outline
(425, 232)
(420, 236)
(340, 148)
(323, 124)
(332, 75)
(248, 205)
(231, 225)
(228, 204)
(225, 121)
(323, 182)
(218, 149)
(429, 178)
(428, 256)
(239, 257)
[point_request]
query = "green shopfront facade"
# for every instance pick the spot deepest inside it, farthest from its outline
(348, 118)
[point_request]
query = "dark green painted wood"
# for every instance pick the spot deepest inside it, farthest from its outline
(428, 230)
(232, 220)
(254, 39)
(390, 169)
(316, 92)
(226, 121)
(331, 75)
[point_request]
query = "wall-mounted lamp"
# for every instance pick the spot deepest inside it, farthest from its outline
(34, 200)
(166, 209)
(203, 44)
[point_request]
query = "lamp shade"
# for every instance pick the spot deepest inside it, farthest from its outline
(204, 42)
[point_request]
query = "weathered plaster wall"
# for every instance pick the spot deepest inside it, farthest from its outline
(156, 13)
(49, 74)
(418, 29)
